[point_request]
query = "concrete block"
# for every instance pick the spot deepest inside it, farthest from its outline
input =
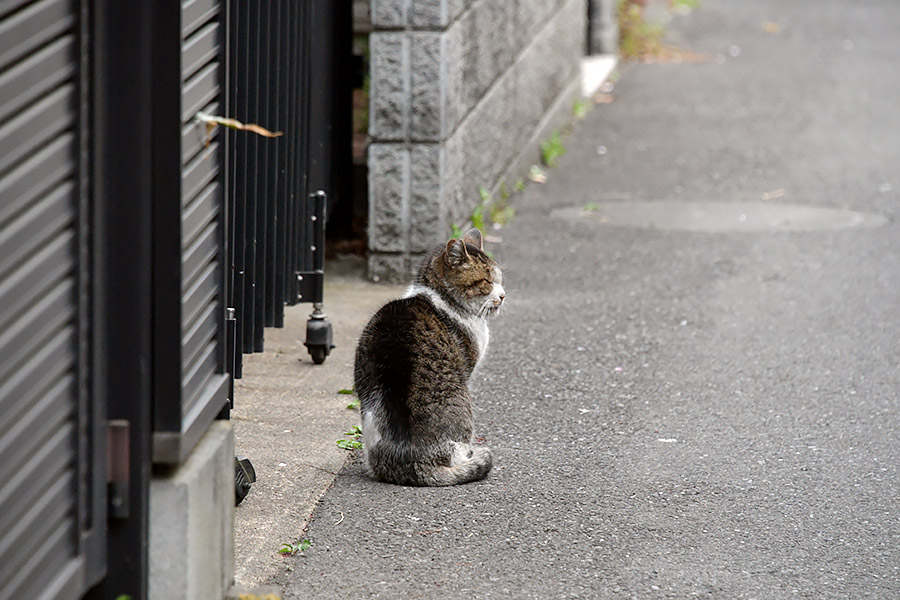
(428, 14)
(426, 105)
(390, 94)
(389, 14)
(390, 268)
(426, 222)
(435, 14)
(192, 522)
(388, 197)
(454, 8)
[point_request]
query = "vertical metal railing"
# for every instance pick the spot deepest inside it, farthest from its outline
(277, 186)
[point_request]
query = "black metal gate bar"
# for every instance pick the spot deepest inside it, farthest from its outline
(274, 197)
(261, 197)
(286, 114)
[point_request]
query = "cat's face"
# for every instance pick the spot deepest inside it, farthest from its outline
(472, 276)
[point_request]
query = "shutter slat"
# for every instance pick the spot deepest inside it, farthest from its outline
(23, 286)
(197, 375)
(200, 253)
(38, 125)
(198, 295)
(199, 213)
(34, 227)
(36, 75)
(196, 12)
(29, 29)
(35, 176)
(198, 173)
(28, 334)
(199, 90)
(200, 49)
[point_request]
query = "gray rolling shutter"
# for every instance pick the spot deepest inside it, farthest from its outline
(46, 511)
(194, 384)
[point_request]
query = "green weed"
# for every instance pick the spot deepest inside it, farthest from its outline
(349, 444)
(580, 108)
(637, 37)
(552, 149)
(288, 549)
(502, 214)
(353, 443)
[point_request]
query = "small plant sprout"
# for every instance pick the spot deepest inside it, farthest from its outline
(552, 150)
(349, 444)
(591, 207)
(504, 191)
(478, 217)
(353, 443)
(347, 391)
(484, 194)
(354, 404)
(580, 108)
(502, 214)
(520, 185)
(456, 231)
(288, 549)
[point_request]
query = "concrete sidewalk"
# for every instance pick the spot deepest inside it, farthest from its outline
(287, 416)
(694, 390)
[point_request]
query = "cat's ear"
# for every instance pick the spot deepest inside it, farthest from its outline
(473, 236)
(456, 252)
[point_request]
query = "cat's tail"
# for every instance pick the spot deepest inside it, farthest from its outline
(461, 464)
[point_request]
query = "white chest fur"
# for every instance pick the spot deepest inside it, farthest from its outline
(476, 327)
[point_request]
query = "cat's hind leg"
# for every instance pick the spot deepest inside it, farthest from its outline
(467, 463)
(450, 465)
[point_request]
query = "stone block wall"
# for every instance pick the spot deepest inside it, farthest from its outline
(461, 92)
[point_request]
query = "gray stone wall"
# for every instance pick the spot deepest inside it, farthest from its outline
(461, 91)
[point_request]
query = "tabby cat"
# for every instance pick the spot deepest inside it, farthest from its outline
(413, 365)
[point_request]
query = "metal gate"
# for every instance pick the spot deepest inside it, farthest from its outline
(52, 498)
(284, 74)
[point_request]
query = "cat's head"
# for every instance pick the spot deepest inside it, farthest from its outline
(465, 273)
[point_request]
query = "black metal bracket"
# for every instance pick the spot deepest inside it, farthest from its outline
(309, 286)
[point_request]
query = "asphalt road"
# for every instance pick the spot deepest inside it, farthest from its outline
(680, 414)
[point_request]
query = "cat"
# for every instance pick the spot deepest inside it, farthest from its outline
(413, 364)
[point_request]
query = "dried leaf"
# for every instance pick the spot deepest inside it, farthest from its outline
(212, 120)
(770, 27)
